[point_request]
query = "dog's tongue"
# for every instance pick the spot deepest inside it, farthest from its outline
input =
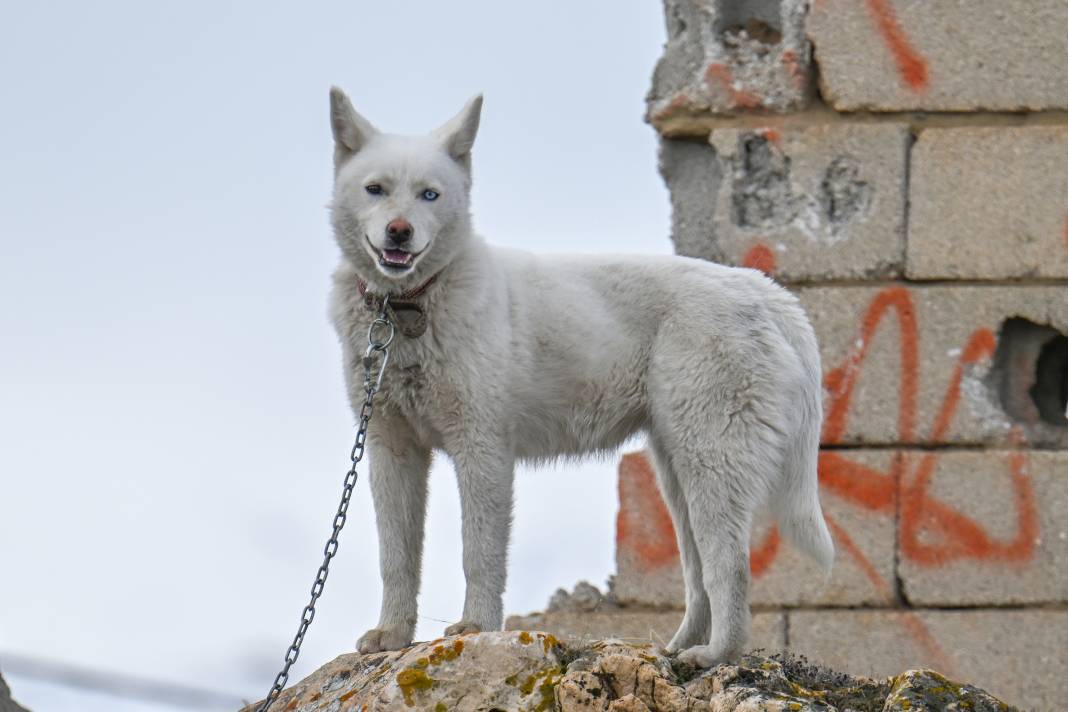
(397, 257)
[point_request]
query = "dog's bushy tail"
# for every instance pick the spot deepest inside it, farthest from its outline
(796, 503)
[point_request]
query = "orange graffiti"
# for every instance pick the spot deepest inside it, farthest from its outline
(959, 536)
(645, 528)
(962, 537)
(773, 135)
(762, 556)
(910, 64)
(760, 257)
(840, 381)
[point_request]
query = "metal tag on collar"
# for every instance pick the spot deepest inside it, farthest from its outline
(409, 318)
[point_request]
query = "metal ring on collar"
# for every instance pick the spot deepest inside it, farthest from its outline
(379, 323)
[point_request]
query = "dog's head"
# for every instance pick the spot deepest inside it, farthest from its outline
(401, 205)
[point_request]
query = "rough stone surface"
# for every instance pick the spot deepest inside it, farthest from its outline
(529, 671)
(725, 56)
(989, 203)
(858, 494)
(584, 597)
(694, 175)
(811, 202)
(927, 690)
(987, 528)
(639, 624)
(509, 671)
(915, 364)
(902, 55)
(1017, 655)
(6, 703)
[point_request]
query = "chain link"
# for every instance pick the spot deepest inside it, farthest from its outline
(379, 336)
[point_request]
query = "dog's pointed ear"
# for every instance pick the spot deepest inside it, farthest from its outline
(458, 133)
(351, 131)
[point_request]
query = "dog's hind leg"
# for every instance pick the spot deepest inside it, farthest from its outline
(695, 626)
(720, 517)
(399, 473)
(719, 431)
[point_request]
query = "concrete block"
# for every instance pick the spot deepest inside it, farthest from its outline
(724, 57)
(858, 494)
(931, 364)
(694, 175)
(989, 203)
(815, 202)
(905, 55)
(639, 624)
(1016, 655)
(985, 528)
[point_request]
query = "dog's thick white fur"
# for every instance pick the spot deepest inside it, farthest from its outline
(530, 357)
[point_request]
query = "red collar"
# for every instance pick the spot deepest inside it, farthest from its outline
(401, 309)
(403, 297)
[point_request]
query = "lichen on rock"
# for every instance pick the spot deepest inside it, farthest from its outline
(528, 671)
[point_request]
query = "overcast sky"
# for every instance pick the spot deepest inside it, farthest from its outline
(174, 427)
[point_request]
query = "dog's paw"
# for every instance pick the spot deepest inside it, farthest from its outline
(463, 627)
(705, 656)
(688, 635)
(378, 640)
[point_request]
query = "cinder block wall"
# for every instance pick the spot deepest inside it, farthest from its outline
(902, 165)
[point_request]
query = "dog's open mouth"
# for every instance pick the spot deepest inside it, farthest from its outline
(394, 259)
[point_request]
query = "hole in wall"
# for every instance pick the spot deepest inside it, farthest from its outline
(1030, 372)
(843, 195)
(1050, 392)
(761, 195)
(761, 20)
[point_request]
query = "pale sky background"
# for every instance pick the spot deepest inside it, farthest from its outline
(174, 427)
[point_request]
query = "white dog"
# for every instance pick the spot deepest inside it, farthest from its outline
(530, 357)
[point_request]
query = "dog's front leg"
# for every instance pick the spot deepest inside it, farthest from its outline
(399, 470)
(485, 479)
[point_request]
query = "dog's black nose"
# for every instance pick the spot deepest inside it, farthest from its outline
(399, 230)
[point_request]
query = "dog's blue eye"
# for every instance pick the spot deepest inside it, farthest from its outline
(374, 189)
(429, 194)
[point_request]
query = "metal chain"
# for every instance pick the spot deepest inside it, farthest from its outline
(379, 336)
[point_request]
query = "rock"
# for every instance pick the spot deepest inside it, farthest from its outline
(582, 690)
(630, 703)
(921, 690)
(6, 703)
(585, 597)
(507, 671)
(532, 672)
